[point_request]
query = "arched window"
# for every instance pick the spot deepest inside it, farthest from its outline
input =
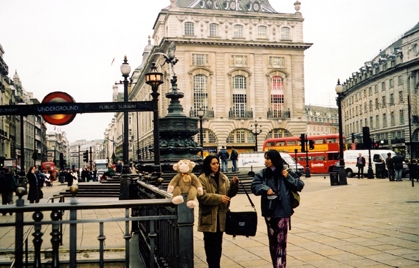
(189, 28)
(285, 33)
(262, 31)
(277, 96)
(239, 96)
(213, 29)
(200, 92)
(238, 30)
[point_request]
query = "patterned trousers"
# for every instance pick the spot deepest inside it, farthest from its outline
(277, 235)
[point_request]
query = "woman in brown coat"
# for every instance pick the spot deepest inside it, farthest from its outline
(213, 206)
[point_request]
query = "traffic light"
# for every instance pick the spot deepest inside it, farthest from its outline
(311, 144)
(376, 145)
(303, 142)
(366, 137)
(86, 156)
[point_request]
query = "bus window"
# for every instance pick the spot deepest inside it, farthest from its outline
(270, 143)
(319, 141)
(320, 158)
(331, 141)
(290, 143)
(280, 143)
(333, 156)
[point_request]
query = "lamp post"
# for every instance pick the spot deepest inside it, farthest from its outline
(342, 172)
(155, 79)
(256, 133)
(125, 70)
(200, 114)
(138, 141)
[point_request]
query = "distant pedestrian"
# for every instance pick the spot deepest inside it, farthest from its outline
(234, 156)
(390, 167)
(223, 155)
(119, 167)
(8, 185)
(360, 163)
(398, 166)
(34, 187)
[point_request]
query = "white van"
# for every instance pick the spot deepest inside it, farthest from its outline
(378, 158)
(254, 162)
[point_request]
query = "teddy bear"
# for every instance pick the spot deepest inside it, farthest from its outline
(185, 182)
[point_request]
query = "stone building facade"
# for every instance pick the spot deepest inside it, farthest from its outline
(383, 95)
(239, 61)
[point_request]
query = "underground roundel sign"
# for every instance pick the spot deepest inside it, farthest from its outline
(58, 119)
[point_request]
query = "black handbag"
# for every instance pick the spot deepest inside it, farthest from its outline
(242, 222)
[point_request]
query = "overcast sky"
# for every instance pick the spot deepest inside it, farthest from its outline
(69, 45)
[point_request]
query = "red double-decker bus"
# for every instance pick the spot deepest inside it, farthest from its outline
(324, 154)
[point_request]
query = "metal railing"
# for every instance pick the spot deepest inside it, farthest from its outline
(165, 231)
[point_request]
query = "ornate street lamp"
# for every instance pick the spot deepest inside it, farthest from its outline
(155, 79)
(200, 114)
(256, 133)
(125, 70)
(342, 172)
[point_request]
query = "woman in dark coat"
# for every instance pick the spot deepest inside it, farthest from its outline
(34, 188)
(273, 184)
(213, 206)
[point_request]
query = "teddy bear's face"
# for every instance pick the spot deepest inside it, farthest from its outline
(184, 166)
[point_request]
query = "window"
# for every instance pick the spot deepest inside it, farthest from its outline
(213, 29)
(391, 99)
(285, 33)
(200, 92)
(391, 83)
(376, 103)
(189, 28)
(277, 96)
(262, 31)
(383, 101)
(377, 122)
(238, 31)
(370, 106)
(401, 114)
(383, 86)
(400, 96)
(392, 119)
(376, 89)
(199, 59)
(400, 80)
(278, 62)
(371, 123)
(384, 120)
(239, 96)
(369, 91)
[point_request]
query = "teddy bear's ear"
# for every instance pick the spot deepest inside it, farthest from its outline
(192, 164)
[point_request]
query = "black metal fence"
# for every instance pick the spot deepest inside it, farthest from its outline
(164, 231)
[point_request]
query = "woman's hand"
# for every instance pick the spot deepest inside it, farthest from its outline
(270, 192)
(225, 199)
(285, 173)
(235, 179)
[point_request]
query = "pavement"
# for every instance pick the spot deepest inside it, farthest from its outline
(367, 223)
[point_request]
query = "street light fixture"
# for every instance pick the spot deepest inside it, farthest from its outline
(125, 70)
(200, 114)
(155, 79)
(342, 172)
(256, 133)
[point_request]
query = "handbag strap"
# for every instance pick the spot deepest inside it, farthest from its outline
(248, 197)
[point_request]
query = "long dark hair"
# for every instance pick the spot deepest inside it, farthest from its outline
(276, 159)
(206, 166)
